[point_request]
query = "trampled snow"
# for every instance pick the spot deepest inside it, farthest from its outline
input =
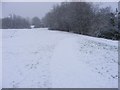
(41, 58)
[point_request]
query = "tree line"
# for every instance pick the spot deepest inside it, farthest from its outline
(18, 22)
(84, 18)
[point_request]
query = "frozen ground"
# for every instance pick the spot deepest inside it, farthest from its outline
(39, 58)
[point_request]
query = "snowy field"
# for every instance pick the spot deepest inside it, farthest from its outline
(40, 58)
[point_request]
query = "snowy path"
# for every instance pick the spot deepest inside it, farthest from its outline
(42, 59)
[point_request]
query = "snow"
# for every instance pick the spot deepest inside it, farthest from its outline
(0, 59)
(41, 58)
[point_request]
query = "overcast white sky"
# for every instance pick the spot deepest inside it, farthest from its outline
(31, 9)
(27, 9)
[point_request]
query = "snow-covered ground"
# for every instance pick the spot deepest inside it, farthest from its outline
(40, 58)
(0, 58)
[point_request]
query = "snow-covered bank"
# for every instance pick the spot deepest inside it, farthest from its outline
(39, 58)
(84, 64)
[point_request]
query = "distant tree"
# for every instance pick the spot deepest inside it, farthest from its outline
(36, 22)
(14, 21)
(119, 20)
(6, 23)
(0, 23)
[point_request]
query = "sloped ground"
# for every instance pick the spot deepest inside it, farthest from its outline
(40, 58)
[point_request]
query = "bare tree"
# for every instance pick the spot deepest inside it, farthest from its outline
(82, 18)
